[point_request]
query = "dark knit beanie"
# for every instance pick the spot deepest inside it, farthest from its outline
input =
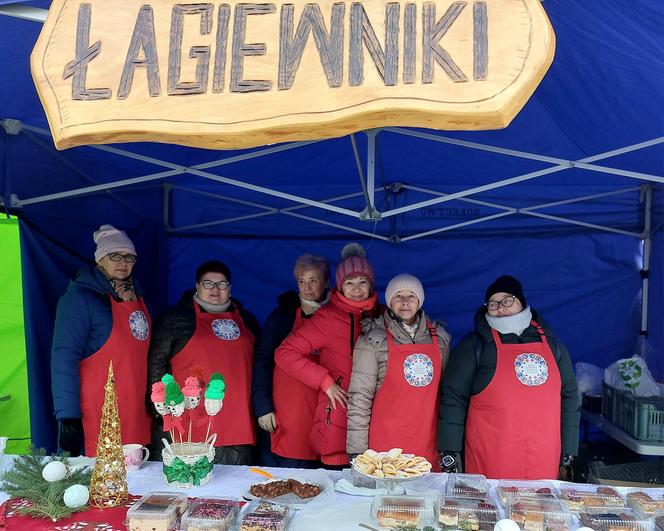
(506, 284)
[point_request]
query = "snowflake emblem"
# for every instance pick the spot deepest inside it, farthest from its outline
(418, 370)
(531, 369)
(226, 329)
(139, 326)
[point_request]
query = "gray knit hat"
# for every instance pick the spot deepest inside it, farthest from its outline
(404, 281)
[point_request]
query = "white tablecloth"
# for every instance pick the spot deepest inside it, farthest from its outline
(337, 512)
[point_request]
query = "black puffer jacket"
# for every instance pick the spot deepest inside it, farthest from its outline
(174, 330)
(464, 378)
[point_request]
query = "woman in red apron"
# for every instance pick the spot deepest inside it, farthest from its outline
(208, 332)
(101, 319)
(515, 384)
(397, 366)
(283, 404)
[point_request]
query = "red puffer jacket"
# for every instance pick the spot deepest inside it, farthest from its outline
(332, 331)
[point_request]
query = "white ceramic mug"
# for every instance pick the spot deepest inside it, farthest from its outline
(135, 455)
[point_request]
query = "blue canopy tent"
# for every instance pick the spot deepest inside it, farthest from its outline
(569, 198)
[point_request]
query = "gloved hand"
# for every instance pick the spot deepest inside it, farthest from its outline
(268, 422)
(70, 436)
(566, 460)
(450, 462)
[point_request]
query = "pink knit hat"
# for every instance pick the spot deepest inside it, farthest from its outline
(353, 264)
(111, 240)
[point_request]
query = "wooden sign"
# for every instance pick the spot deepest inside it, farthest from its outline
(237, 74)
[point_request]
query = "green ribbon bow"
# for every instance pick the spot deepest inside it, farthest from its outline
(181, 472)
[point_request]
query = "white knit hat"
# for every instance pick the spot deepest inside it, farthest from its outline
(111, 240)
(404, 281)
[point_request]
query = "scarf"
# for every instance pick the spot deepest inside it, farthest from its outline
(311, 307)
(124, 289)
(212, 308)
(511, 324)
(363, 306)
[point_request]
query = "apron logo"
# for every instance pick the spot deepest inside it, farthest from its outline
(226, 329)
(138, 324)
(531, 369)
(418, 370)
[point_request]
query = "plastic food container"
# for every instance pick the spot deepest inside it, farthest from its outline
(157, 511)
(460, 513)
(261, 515)
(539, 513)
(616, 519)
(210, 514)
(399, 511)
(646, 503)
(590, 497)
(471, 486)
(525, 489)
(659, 522)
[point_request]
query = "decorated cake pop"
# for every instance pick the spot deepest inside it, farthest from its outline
(214, 394)
(158, 397)
(174, 398)
(192, 392)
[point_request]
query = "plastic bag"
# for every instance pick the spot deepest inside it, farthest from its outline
(631, 374)
(589, 378)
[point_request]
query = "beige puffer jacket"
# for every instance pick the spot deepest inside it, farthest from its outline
(370, 367)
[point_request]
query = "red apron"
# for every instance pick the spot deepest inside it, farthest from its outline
(127, 347)
(221, 343)
(294, 406)
(405, 408)
(513, 425)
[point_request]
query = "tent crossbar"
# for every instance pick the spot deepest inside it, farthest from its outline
(455, 226)
(224, 198)
(580, 223)
(328, 200)
(578, 199)
(255, 154)
(219, 222)
(464, 199)
(621, 173)
(34, 14)
(623, 150)
(337, 226)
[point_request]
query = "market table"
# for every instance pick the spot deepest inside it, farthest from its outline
(342, 512)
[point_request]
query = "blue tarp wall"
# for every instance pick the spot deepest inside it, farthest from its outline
(604, 92)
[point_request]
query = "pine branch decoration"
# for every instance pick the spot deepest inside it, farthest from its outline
(24, 480)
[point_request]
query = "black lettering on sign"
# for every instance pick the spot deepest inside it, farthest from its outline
(361, 31)
(221, 43)
(409, 45)
(143, 41)
(242, 49)
(78, 68)
(202, 53)
(480, 41)
(431, 35)
(330, 46)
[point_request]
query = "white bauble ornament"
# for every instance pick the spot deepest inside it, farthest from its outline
(54, 471)
(506, 525)
(76, 496)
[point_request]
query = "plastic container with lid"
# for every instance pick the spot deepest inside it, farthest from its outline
(648, 503)
(210, 514)
(157, 511)
(262, 515)
(398, 511)
(525, 489)
(617, 518)
(582, 497)
(659, 523)
(471, 486)
(462, 513)
(539, 513)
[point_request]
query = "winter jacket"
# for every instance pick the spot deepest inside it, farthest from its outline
(370, 359)
(464, 378)
(333, 331)
(277, 327)
(83, 323)
(174, 330)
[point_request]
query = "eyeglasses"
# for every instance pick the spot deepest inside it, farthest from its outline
(209, 284)
(506, 303)
(119, 257)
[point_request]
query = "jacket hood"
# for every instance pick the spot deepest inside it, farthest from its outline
(483, 329)
(89, 277)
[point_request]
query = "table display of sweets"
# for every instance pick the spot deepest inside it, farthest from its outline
(263, 515)
(460, 513)
(525, 489)
(647, 503)
(471, 486)
(210, 514)
(616, 519)
(582, 497)
(412, 512)
(157, 511)
(539, 514)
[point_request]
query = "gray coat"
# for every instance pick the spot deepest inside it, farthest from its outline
(370, 366)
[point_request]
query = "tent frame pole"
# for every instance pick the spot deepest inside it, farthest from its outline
(646, 197)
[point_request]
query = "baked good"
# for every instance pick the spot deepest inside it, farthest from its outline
(611, 521)
(265, 516)
(467, 514)
(392, 464)
(280, 487)
(577, 500)
(156, 512)
(524, 491)
(397, 510)
(209, 514)
(645, 503)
